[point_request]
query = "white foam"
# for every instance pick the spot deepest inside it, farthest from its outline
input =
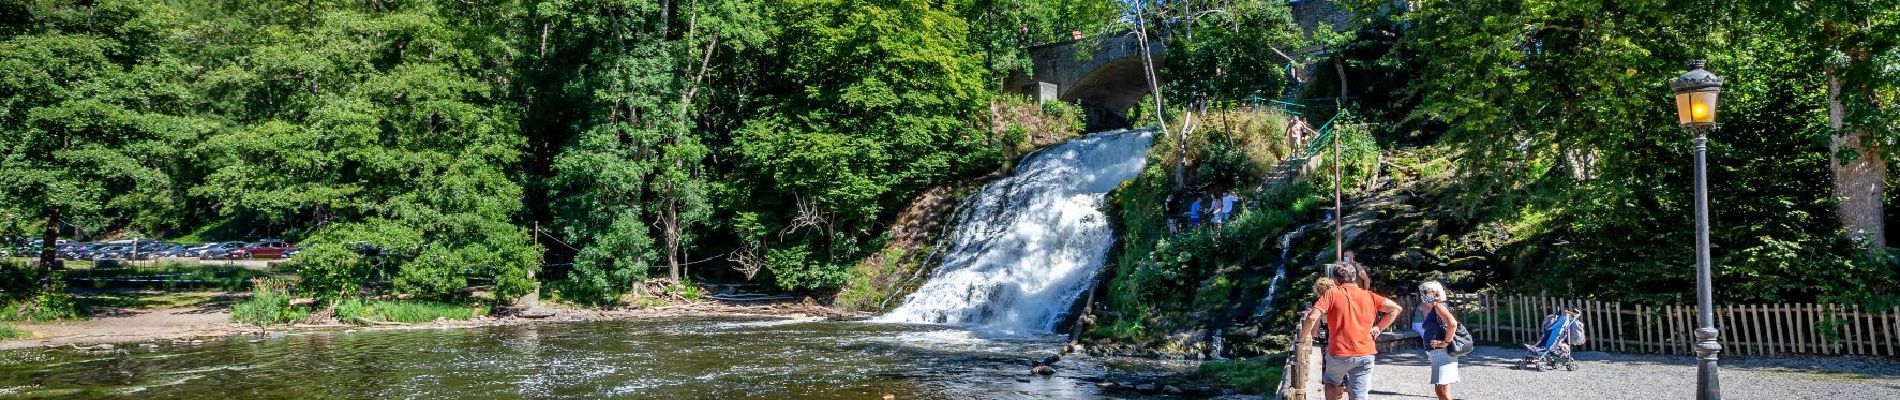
(1027, 246)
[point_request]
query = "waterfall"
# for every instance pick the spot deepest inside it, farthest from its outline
(1027, 246)
(1279, 271)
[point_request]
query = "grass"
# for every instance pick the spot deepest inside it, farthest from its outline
(269, 305)
(152, 299)
(168, 276)
(1245, 376)
(364, 312)
(11, 332)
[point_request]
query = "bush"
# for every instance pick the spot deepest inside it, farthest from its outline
(11, 332)
(51, 304)
(1245, 376)
(365, 312)
(269, 305)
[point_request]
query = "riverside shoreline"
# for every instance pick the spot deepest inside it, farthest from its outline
(191, 325)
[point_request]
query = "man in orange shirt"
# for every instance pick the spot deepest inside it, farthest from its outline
(1349, 312)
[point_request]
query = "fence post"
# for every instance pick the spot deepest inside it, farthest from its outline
(1891, 311)
(1820, 314)
(1752, 317)
(1669, 329)
(1642, 328)
(1891, 327)
(1858, 319)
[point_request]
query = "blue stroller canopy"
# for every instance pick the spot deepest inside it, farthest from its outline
(1555, 329)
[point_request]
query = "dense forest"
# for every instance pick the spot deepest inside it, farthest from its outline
(587, 146)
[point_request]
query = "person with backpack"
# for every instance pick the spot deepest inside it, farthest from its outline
(1352, 332)
(1440, 331)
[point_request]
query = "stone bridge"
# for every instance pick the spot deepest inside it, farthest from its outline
(1106, 81)
(1108, 78)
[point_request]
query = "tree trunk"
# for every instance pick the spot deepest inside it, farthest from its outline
(48, 251)
(671, 225)
(1860, 173)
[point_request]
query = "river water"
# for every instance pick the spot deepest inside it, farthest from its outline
(696, 358)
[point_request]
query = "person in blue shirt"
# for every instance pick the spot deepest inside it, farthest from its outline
(1194, 213)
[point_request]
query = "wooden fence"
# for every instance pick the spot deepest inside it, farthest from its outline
(1745, 329)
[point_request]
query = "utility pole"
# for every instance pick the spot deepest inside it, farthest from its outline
(1339, 227)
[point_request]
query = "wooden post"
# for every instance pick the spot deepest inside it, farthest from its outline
(1891, 330)
(1669, 329)
(1624, 345)
(1859, 339)
(1752, 316)
(1776, 343)
(1764, 330)
(1827, 341)
(1799, 342)
(1814, 328)
(1642, 328)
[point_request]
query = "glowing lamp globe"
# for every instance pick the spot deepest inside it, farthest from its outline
(1697, 92)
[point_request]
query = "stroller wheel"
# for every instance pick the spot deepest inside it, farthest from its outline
(1570, 366)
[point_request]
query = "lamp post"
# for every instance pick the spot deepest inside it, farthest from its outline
(1696, 94)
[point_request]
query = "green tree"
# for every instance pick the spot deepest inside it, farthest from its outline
(91, 107)
(389, 115)
(635, 170)
(869, 101)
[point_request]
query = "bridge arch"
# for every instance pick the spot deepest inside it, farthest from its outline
(1106, 81)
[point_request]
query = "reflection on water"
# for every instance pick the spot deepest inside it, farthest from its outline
(666, 359)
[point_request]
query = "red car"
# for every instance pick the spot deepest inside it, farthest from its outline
(266, 249)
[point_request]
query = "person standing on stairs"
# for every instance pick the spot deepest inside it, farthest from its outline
(1295, 134)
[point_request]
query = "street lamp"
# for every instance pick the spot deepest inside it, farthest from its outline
(1696, 93)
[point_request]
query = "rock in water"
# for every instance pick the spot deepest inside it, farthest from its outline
(1042, 370)
(1050, 360)
(1145, 388)
(1170, 389)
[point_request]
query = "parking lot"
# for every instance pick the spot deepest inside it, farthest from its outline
(81, 264)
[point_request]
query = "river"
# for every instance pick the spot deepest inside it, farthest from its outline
(689, 358)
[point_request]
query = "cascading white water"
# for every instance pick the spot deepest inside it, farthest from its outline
(1279, 271)
(1027, 246)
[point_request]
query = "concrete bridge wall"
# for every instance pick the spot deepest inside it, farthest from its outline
(1106, 81)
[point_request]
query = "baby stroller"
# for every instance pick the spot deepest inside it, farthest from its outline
(1552, 350)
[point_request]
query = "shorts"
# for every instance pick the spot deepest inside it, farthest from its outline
(1355, 373)
(1444, 367)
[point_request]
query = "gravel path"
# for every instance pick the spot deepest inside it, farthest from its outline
(1489, 374)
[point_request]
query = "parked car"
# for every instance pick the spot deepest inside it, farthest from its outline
(171, 250)
(80, 251)
(114, 252)
(220, 250)
(265, 249)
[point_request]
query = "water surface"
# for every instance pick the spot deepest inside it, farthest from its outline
(700, 358)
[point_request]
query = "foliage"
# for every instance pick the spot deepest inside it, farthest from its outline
(50, 303)
(168, 276)
(92, 104)
(630, 186)
(269, 305)
(1231, 50)
(1245, 376)
(366, 312)
(8, 332)
(1020, 125)
(842, 147)
(1568, 164)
